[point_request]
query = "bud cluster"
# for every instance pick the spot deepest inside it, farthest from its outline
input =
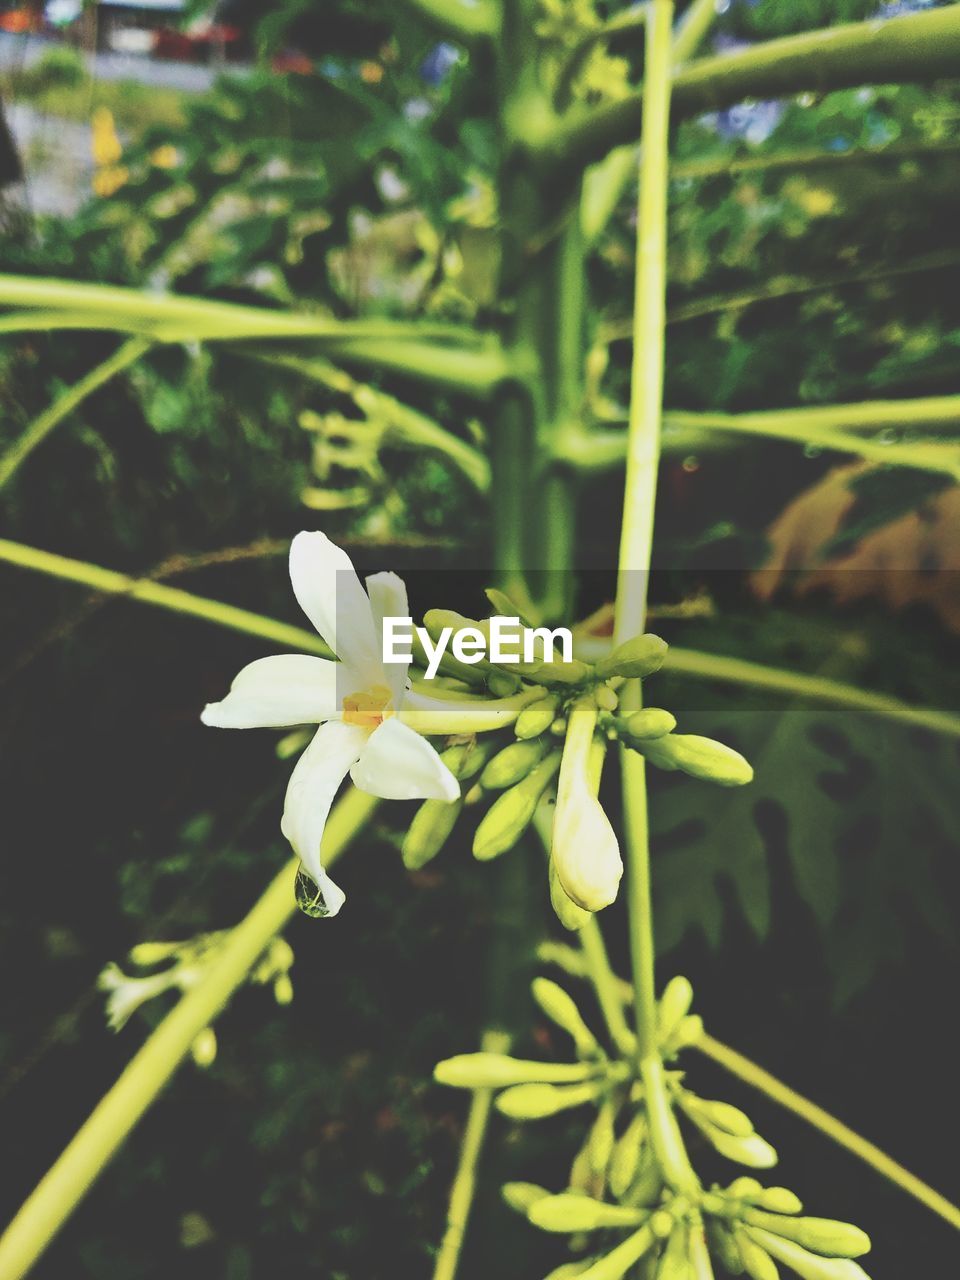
(619, 1205)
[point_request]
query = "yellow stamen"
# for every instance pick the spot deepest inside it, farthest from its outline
(367, 708)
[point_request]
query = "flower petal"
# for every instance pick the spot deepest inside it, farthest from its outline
(313, 784)
(288, 689)
(397, 764)
(388, 599)
(329, 592)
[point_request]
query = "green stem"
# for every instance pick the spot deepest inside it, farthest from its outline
(465, 1180)
(692, 28)
(915, 47)
(834, 693)
(125, 355)
(108, 582)
(835, 1129)
(607, 986)
(75, 1171)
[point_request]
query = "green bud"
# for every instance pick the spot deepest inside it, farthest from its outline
(521, 1195)
(536, 718)
(699, 1256)
(504, 607)
(512, 764)
(778, 1200)
(204, 1048)
(751, 1149)
(497, 1070)
(503, 683)
(661, 1223)
(466, 759)
(626, 1154)
(573, 672)
(689, 1032)
(744, 1189)
(675, 1260)
(723, 1245)
(808, 1265)
(469, 673)
(606, 698)
(561, 1009)
(146, 954)
(600, 1142)
(617, 1263)
(674, 1005)
(570, 915)
(283, 989)
(559, 727)
(566, 1213)
(571, 1270)
(700, 757)
(822, 1235)
(757, 1263)
(731, 1119)
(428, 831)
(650, 722)
(511, 813)
(537, 1101)
(639, 657)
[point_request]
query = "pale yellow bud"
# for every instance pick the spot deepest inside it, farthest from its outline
(585, 850)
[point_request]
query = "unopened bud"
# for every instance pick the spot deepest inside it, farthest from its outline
(567, 912)
(585, 850)
(503, 683)
(521, 1195)
(498, 1070)
(600, 1142)
(512, 764)
(428, 832)
(568, 1213)
(511, 813)
(559, 727)
(807, 1265)
(626, 1154)
(726, 1117)
(639, 657)
(606, 697)
(689, 1032)
(536, 718)
(204, 1048)
(752, 1150)
(145, 954)
(559, 1006)
(699, 757)
(650, 722)
(283, 989)
(675, 1260)
(822, 1235)
(724, 1246)
(778, 1200)
(673, 1006)
(744, 1189)
(537, 1101)
(754, 1259)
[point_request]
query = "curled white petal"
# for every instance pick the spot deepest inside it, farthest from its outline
(276, 692)
(313, 784)
(397, 764)
(329, 592)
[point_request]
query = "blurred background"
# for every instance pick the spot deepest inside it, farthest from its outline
(336, 154)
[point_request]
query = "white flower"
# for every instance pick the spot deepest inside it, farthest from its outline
(356, 702)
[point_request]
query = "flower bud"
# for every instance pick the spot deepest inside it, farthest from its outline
(674, 1005)
(751, 1150)
(585, 851)
(511, 813)
(537, 1101)
(147, 954)
(650, 722)
(700, 1263)
(626, 1154)
(688, 1032)
(568, 913)
(606, 697)
(619, 1261)
(675, 1260)
(778, 1200)
(700, 757)
(521, 1195)
(428, 831)
(755, 1260)
(512, 764)
(536, 718)
(601, 1139)
(639, 657)
(573, 672)
(744, 1189)
(560, 1008)
(566, 1213)
(497, 1070)
(723, 1246)
(283, 989)
(502, 684)
(822, 1235)
(807, 1265)
(204, 1048)
(726, 1117)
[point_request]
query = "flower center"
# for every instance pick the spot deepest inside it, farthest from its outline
(367, 707)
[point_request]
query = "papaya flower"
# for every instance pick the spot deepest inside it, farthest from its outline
(357, 703)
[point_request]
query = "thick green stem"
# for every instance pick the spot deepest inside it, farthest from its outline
(607, 986)
(465, 1181)
(125, 355)
(69, 1179)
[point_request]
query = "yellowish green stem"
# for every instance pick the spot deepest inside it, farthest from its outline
(465, 1181)
(607, 985)
(125, 355)
(69, 1179)
(146, 591)
(835, 1129)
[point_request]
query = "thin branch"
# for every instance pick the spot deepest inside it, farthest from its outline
(733, 166)
(832, 693)
(836, 1130)
(465, 1179)
(915, 47)
(38, 430)
(146, 592)
(71, 1177)
(692, 29)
